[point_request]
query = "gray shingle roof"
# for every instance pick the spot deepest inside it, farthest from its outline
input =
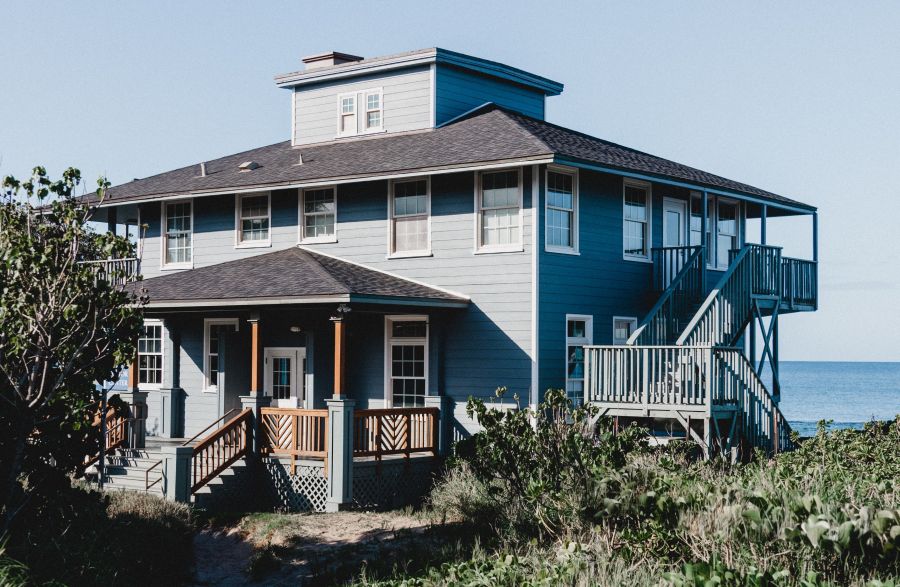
(293, 273)
(487, 135)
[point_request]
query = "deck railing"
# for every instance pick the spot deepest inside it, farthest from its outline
(294, 433)
(800, 282)
(115, 271)
(681, 268)
(221, 449)
(116, 435)
(394, 431)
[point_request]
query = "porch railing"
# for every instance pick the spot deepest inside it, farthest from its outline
(115, 271)
(294, 433)
(800, 282)
(395, 431)
(221, 449)
(116, 436)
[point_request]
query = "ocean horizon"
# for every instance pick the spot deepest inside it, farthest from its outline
(847, 393)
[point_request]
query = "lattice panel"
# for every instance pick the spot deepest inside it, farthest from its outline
(305, 491)
(390, 486)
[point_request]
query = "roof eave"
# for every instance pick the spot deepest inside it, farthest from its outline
(307, 300)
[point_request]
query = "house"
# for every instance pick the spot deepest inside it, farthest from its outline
(426, 235)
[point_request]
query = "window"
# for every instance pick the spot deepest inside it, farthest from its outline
(636, 228)
(623, 328)
(317, 210)
(409, 217)
(347, 114)
(499, 205)
(212, 329)
(150, 354)
(697, 221)
(726, 232)
(579, 332)
(177, 232)
(253, 220)
(407, 361)
(373, 111)
(561, 212)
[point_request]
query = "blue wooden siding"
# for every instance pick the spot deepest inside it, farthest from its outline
(458, 91)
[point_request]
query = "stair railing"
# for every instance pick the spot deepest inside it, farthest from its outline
(221, 449)
(754, 271)
(662, 323)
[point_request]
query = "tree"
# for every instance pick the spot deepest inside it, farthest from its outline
(62, 330)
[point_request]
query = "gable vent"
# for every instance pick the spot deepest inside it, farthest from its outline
(248, 166)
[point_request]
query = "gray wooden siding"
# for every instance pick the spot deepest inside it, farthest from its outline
(406, 95)
(459, 91)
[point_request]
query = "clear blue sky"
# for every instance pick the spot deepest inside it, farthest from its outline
(801, 98)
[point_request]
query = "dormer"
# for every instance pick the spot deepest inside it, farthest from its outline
(338, 96)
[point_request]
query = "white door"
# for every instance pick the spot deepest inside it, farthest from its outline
(674, 235)
(285, 376)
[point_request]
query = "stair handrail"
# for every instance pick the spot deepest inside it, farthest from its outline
(221, 449)
(216, 421)
(696, 258)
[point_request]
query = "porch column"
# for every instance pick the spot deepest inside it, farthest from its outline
(133, 374)
(340, 454)
(171, 395)
(257, 399)
(137, 408)
(340, 350)
(763, 216)
(704, 255)
(177, 472)
(443, 420)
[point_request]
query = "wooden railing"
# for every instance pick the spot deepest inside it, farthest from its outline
(115, 271)
(395, 431)
(677, 303)
(221, 449)
(116, 436)
(800, 282)
(294, 433)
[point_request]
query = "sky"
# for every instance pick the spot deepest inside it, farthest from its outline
(799, 98)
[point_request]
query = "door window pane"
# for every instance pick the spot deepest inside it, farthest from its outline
(281, 377)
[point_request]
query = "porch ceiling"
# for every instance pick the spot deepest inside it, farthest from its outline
(291, 276)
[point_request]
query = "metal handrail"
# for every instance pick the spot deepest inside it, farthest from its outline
(199, 434)
(147, 484)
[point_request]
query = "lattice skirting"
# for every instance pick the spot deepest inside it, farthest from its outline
(395, 483)
(304, 491)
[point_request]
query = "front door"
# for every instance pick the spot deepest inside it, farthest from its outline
(286, 376)
(674, 235)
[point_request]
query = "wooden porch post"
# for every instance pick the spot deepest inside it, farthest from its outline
(256, 358)
(133, 374)
(340, 351)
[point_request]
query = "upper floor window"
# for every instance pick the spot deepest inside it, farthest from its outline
(253, 220)
(562, 211)
(407, 358)
(177, 241)
(636, 227)
(317, 215)
(360, 112)
(623, 328)
(150, 354)
(409, 217)
(499, 207)
(579, 332)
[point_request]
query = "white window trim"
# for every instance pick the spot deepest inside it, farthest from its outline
(388, 321)
(426, 252)
(712, 260)
(574, 249)
(302, 383)
(365, 121)
(359, 111)
(481, 249)
(162, 351)
(737, 229)
(629, 182)
(163, 266)
(301, 229)
(588, 340)
(632, 319)
(207, 322)
(238, 243)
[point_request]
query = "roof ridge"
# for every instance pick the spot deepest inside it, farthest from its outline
(318, 267)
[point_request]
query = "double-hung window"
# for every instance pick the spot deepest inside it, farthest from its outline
(623, 328)
(562, 211)
(177, 223)
(347, 114)
(150, 354)
(726, 232)
(253, 220)
(579, 332)
(407, 361)
(374, 112)
(409, 217)
(360, 112)
(317, 212)
(636, 220)
(499, 206)
(697, 222)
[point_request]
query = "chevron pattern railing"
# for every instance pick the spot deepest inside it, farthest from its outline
(395, 431)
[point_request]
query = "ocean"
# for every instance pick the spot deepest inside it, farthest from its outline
(850, 394)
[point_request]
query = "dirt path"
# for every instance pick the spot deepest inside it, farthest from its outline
(305, 549)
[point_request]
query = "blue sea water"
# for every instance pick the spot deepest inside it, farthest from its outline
(850, 394)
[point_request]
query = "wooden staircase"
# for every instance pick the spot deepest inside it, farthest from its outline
(682, 364)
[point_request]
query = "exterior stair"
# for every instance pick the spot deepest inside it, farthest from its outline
(130, 469)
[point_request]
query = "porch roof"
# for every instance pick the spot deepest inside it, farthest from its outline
(291, 276)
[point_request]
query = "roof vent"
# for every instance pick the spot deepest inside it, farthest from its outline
(202, 169)
(248, 166)
(329, 59)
